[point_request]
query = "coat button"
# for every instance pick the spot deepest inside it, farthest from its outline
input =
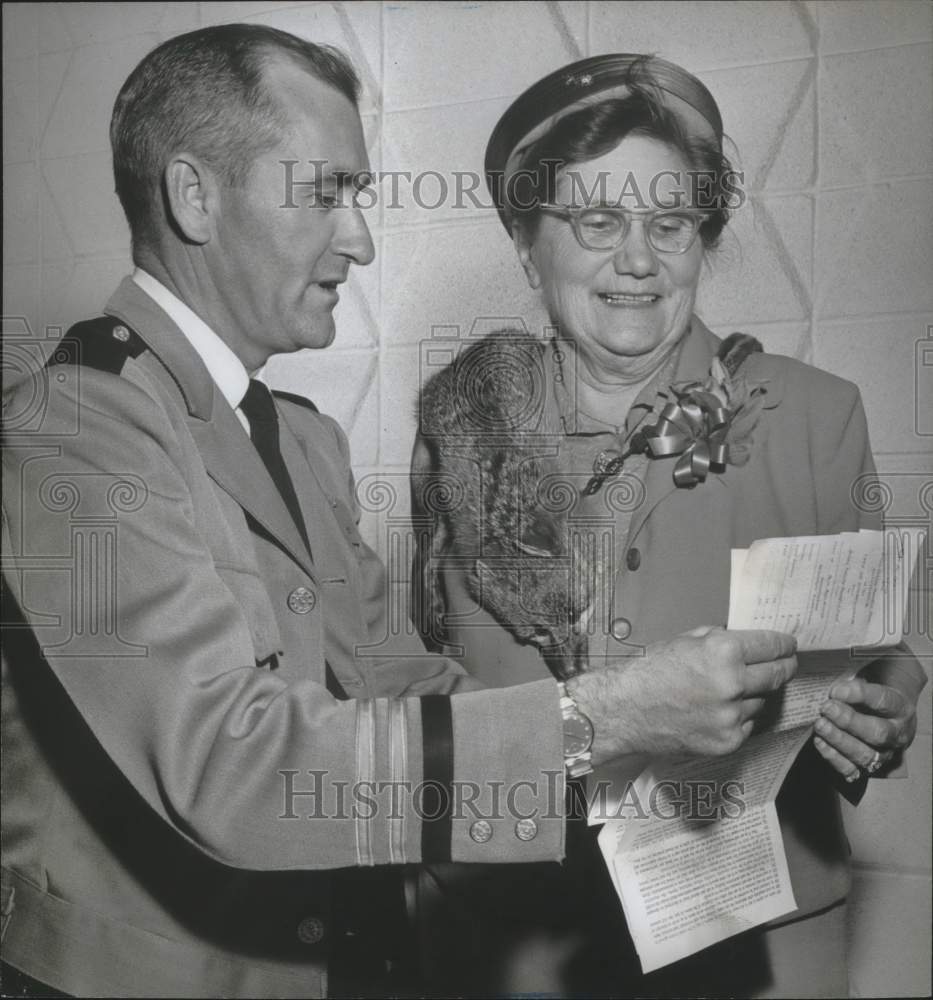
(526, 829)
(481, 831)
(301, 600)
(121, 333)
(621, 628)
(311, 930)
(633, 559)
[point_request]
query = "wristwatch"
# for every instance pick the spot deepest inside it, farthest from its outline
(578, 736)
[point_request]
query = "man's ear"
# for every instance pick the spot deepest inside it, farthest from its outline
(525, 251)
(191, 196)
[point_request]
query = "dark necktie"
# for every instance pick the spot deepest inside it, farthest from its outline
(259, 407)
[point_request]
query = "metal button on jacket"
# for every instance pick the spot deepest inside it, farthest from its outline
(481, 831)
(633, 559)
(301, 600)
(526, 829)
(621, 628)
(311, 930)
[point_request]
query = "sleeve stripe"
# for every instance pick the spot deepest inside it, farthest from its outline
(398, 771)
(365, 772)
(437, 802)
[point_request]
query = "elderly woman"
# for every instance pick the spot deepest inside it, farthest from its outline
(578, 524)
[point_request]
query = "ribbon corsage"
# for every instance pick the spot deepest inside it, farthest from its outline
(707, 425)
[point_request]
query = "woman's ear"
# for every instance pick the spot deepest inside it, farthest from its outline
(525, 251)
(191, 195)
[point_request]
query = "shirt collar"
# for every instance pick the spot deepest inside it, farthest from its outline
(223, 366)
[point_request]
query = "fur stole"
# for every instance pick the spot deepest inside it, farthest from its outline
(505, 508)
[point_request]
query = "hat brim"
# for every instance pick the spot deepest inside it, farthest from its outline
(591, 81)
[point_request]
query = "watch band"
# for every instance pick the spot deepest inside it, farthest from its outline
(579, 767)
(578, 763)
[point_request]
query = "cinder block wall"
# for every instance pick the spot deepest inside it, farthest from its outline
(830, 106)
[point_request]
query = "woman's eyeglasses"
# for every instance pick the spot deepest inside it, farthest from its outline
(606, 228)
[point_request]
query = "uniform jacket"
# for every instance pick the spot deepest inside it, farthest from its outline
(172, 761)
(808, 474)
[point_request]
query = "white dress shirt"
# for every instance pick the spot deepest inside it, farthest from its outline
(224, 367)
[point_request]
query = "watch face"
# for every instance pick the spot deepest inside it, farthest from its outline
(578, 734)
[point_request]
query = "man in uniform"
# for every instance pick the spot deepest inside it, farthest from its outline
(204, 714)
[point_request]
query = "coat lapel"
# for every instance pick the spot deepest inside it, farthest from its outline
(699, 349)
(234, 464)
(228, 454)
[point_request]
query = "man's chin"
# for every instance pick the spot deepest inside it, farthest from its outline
(321, 335)
(328, 337)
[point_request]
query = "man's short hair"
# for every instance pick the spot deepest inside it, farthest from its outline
(204, 92)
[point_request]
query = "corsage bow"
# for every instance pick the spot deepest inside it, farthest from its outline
(708, 424)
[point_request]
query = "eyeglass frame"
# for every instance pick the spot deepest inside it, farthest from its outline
(572, 215)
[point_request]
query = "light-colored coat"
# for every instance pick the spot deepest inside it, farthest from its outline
(151, 840)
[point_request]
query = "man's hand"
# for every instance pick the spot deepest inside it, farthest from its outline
(863, 725)
(698, 693)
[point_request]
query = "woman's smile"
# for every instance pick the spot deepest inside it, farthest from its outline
(628, 300)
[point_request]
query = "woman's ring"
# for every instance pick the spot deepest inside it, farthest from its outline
(874, 765)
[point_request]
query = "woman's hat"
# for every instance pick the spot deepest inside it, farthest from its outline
(591, 81)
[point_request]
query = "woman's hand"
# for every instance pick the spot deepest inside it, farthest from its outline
(864, 725)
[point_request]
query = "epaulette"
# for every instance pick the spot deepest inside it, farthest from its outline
(105, 343)
(295, 398)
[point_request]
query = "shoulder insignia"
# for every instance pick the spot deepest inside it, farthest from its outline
(104, 343)
(295, 398)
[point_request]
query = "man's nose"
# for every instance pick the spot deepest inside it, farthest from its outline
(635, 255)
(353, 239)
